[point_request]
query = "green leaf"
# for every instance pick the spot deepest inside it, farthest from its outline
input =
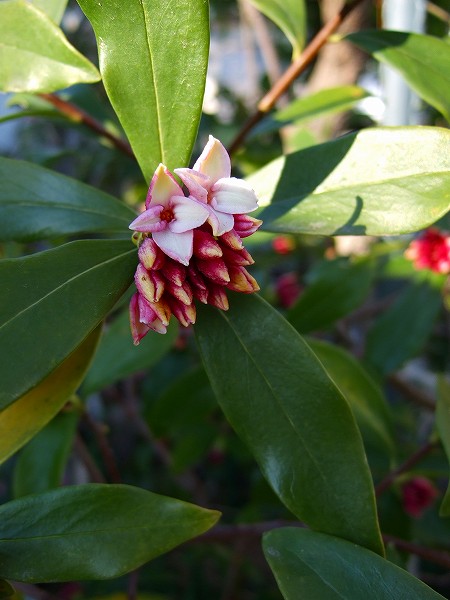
(315, 566)
(40, 465)
(53, 8)
(117, 348)
(402, 330)
(443, 426)
(55, 299)
(34, 54)
(20, 421)
(5, 589)
(331, 100)
(341, 288)
(153, 60)
(290, 16)
(36, 203)
(374, 182)
(362, 393)
(281, 402)
(422, 60)
(92, 532)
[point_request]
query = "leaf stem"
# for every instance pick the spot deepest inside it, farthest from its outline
(404, 467)
(74, 113)
(293, 71)
(437, 557)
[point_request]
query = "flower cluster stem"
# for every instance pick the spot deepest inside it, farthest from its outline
(293, 71)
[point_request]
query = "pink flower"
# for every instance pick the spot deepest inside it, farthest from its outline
(431, 251)
(210, 183)
(418, 494)
(287, 289)
(283, 244)
(170, 216)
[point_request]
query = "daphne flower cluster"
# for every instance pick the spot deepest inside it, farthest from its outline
(190, 247)
(431, 251)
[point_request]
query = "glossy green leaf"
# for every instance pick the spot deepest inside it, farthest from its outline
(423, 61)
(36, 203)
(54, 299)
(327, 101)
(290, 16)
(92, 532)
(407, 322)
(20, 421)
(53, 8)
(443, 426)
(34, 54)
(361, 392)
(6, 590)
(315, 566)
(153, 60)
(281, 402)
(341, 287)
(374, 182)
(40, 465)
(117, 348)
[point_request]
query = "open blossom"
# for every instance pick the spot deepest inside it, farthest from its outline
(210, 183)
(190, 248)
(431, 251)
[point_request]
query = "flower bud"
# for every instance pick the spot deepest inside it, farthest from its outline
(214, 269)
(150, 256)
(149, 283)
(174, 271)
(217, 297)
(205, 246)
(244, 225)
(241, 280)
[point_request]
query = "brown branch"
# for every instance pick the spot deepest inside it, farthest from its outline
(85, 456)
(293, 71)
(74, 113)
(404, 467)
(417, 396)
(106, 451)
(435, 556)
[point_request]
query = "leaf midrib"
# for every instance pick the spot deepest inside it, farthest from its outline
(63, 206)
(62, 285)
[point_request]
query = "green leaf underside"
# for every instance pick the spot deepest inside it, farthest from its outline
(315, 566)
(155, 78)
(324, 102)
(361, 392)
(40, 465)
(117, 348)
(401, 323)
(300, 429)
(92, 532)
(341, 289)
(37, 203)
(443, 426)
(51, 301)
(290, 16)
(422, 60)
(20, 421)
(34, 54)
(374, 182)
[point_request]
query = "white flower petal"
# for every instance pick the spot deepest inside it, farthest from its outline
(197, 183)
(188, 214)
(149, 220)
(220, 222)
(233, 196)
(162, 187)
(178, 246)
(214, 160)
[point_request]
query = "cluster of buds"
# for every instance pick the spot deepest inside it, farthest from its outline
(431, 251)
(190, 248)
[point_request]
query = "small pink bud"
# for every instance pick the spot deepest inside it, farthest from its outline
(241, 258)
(242, 281)
(287, 289)
(182, 292)
(162, 310)
(232, 240)
(149, 283)
(214, 269)
(205, 246)
(174, 271)
(198, 285)
(418, 494)
(245, 225)
(138, 329)
(283, 244)
(217, 297)
(185, 314)
(150, 255)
